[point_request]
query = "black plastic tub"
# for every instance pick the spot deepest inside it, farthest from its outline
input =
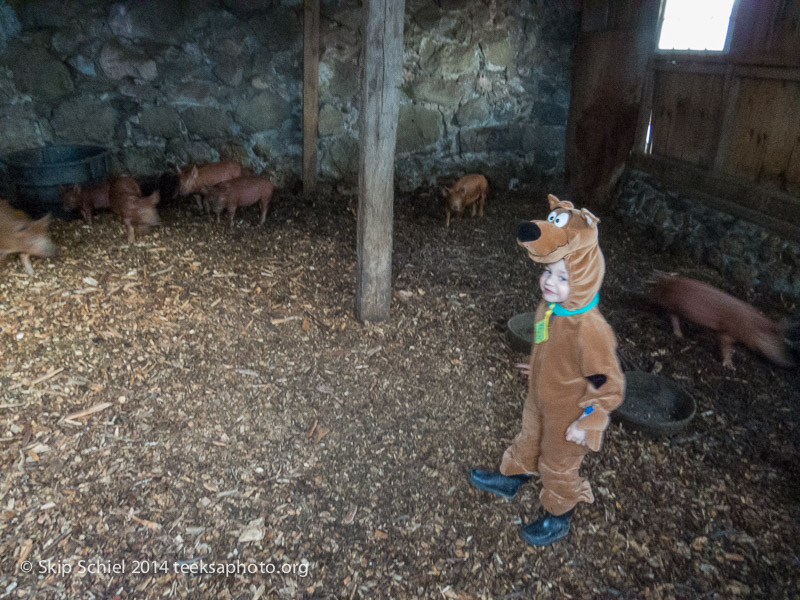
(38, 173)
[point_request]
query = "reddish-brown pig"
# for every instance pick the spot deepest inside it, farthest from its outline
(21, 235)
(732, 319)
(194, 180)
(87, 199)
(242, 191)
(470, 190)
(127, 203)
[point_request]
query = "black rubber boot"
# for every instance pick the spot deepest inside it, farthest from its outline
(547, 529)
(497, 483)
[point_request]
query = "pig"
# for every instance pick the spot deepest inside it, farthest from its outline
(20, 234)
(242, 191)
(730, 318)
(87, 199)
(468, 190)
(127, 203)
(197, 181)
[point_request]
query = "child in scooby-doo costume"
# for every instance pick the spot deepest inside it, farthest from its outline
(575, 380)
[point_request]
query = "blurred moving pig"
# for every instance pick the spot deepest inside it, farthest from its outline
(127, 203)
(470, 190)
(242, 191)
(197, 181)
(733, 320)
(19, 234)
(87, 199)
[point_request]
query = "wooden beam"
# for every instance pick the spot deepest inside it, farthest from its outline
(382, 75)
(310, 93)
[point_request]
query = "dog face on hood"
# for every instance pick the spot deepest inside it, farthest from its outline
(571, 234)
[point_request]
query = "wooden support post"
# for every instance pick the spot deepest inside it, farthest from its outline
(382, 75)
(310, 93)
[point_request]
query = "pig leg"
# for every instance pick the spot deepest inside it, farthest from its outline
(447, 221)
(264, 207)
(474, 209)
(726, 346)
(481, 205)
(198, 201)
(232, 213)
(26, 260)
(676, 325)
(87, 215)
(131, 233)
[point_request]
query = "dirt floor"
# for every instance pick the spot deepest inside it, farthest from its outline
(204, 400)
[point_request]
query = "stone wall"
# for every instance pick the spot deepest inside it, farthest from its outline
(164, 82)
(746, 253)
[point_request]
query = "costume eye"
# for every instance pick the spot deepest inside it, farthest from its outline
(561, 220)
(552, 217)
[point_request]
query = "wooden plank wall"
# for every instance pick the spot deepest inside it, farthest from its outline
(765, 144)
(734, 115)
(687, 114)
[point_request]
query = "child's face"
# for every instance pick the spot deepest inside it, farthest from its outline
(554, 282)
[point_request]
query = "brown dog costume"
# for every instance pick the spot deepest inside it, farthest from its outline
(574, 369)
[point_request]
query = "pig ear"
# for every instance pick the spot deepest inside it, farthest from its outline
(154, 198)
(194, 171)
(40, 225)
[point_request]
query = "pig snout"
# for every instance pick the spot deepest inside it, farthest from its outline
(44, 247)
(528, 232)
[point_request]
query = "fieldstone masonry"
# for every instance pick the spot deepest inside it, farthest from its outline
(745, 253)
(162, 82)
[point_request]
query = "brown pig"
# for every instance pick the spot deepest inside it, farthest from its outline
(470, 190)
(242, 191)
(127, 203)
(87, 199)
(194, 180)
(732, 319)
(20, 234)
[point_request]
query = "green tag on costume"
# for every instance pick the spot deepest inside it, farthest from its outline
(540, 329)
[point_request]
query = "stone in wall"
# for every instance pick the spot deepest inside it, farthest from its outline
(446, 92)
(20, 129)
(331, 121)
(84, 119)
(37, 72)
(263, 112)
(118, 62)
(746, 253)
(448, 60)
(9, 25)
(483, 84)
(500, 47)
(206, 122)
(417, 128)
(473, 112)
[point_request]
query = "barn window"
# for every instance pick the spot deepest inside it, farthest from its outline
(700, 25)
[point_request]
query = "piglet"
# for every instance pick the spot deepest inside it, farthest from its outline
(470, 190)
(130, 207)
(732, 319)
(196, 181)
(87, 199)
(20, 234)
(242, 191)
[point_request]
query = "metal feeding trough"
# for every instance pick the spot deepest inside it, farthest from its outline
(37, 174)
(653, 405)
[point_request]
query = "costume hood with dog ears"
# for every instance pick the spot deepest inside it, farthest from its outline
(570, 234)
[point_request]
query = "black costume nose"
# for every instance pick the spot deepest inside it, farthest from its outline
(528, 232)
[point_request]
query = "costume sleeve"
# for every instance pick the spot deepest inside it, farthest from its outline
(605, 383)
